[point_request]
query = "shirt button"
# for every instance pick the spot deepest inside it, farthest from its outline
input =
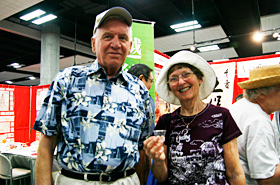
(102, 138)
(98, 162)
(105, 119)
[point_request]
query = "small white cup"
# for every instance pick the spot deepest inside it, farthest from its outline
(159, 132)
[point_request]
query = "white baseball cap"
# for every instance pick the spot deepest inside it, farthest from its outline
(115, 11)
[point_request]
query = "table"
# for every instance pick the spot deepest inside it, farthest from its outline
(25, 159)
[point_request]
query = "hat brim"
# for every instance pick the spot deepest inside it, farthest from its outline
(205, 89)
(258, 83)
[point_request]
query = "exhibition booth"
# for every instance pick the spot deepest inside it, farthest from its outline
(20, 104)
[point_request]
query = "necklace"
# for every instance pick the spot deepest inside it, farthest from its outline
(187, 124)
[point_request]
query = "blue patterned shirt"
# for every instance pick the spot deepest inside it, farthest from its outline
(101, 123)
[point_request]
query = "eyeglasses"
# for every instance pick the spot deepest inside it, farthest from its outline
(175, 79)
(152, 81)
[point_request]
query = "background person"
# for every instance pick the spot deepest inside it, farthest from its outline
(258, 147)
(276, 119)
(239, 97)
(97, 116)
(144, 73)
(200, 145)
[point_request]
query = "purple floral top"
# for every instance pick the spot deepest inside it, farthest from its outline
(195, 154)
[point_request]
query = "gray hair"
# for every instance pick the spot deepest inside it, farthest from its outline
(253, 94)
(115, 17)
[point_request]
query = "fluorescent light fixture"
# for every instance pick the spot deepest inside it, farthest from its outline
(32, 15)
(184, 24)
(31, 77)
(44, 19)
(17, 66)
(9, 82)
(278, 38)
(14, 64)
(188, 28)
(208, 48)
(190, 25)
(278, 52)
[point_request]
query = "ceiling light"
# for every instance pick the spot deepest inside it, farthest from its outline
(220, 60)
(18, 66)
(208, 48)
(31, 77)
(278, 52)
(188, 28)
(32, 15)
(44, 19)
(9, 82)
(258, 36)
(190, 25)
(14, 64)
(184, 24)
(275, 34)
(192, 48)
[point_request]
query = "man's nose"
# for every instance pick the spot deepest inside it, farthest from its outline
(116, 42)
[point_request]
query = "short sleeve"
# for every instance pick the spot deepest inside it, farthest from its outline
(230, 130)
(261, 150)
(49, 117)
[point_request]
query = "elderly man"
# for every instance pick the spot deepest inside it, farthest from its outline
(258, 146)
(97, 116)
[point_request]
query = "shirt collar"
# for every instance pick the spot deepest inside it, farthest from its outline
(96, 67)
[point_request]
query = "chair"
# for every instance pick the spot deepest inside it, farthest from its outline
(7, 172)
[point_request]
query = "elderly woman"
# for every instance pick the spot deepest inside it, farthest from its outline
(259, 147)
(200, 145)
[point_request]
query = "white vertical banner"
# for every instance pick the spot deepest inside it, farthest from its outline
(223, 93)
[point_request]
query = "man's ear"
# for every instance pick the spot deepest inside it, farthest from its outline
(93, 45)
(131, 42)
(141, 77)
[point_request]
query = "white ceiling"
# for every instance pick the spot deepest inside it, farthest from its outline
(202, 36)
(10, 7)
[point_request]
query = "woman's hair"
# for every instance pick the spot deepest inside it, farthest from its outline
(253, 94)
(195, 70)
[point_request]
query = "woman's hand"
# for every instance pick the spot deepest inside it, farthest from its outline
(154, 148)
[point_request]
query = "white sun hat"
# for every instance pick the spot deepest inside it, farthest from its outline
(186, 57)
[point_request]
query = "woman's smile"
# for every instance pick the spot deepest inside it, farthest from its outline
(185, 89)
